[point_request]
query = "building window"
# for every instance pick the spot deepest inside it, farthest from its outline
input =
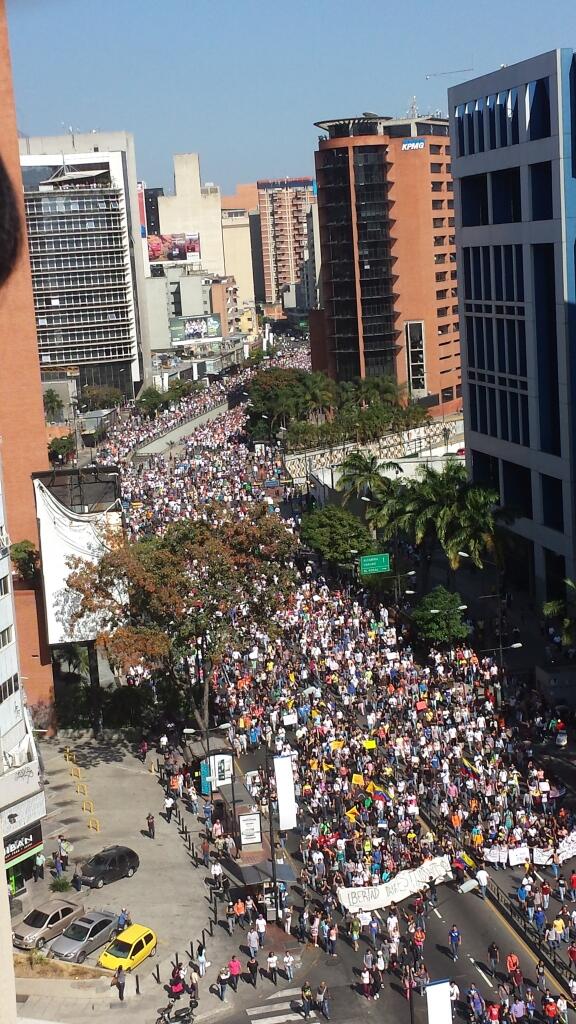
(4, 586)
(435, 168)
(6, 636)
(543, 269)
(415, 348)
(541, 190)
(8, 687)
(517, 484)
(447, 394)
(538, 109)
(552, 502)
(506, 203)
(474, 200)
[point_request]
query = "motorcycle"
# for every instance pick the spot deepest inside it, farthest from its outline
(184, 1015)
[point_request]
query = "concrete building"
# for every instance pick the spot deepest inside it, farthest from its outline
(81, 195)
(238, 253)
(246, 198)
(313, 266)
(514, 152)
(194, 209)
(283, 205)
(386, 227)
(22, 804)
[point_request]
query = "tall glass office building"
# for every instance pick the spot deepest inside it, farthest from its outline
(514, 165)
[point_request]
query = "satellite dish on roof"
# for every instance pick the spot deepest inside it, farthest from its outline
(370, 113)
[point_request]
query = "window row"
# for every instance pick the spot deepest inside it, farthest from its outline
(98, 222)
(86, 355)
(6, 636)
(500, 414)
(80, 262)
(44, 206)
(8, 687)
(496, 121)
(496, 345)
(73, 335)
(493, 273)
(75, 319)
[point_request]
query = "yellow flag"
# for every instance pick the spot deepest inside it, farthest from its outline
(357, 780)
(337, 744)
(368, 744)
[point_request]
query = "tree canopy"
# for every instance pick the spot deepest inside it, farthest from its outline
(438, 618)
(336, 534)
(156, 596)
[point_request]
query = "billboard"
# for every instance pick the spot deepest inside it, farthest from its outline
(185, 330)
(178, 248)
(140, 186)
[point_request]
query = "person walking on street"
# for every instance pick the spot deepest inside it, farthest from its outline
(57, 865)
(240, 911)
(231, 918)
(493, 957)
(272, 964)
(454, 940)
(235, 968)
(306, 999)
(253, 968)
(541, 976)
(323, 999)
(205, 848)
(39, 862)
(482, 879)
(168, 807)
(252, 940)
(261, 929)
(289, 966)
(151, 824)
(454, 993)
(201, 960)
(120, 982)
(222, 982)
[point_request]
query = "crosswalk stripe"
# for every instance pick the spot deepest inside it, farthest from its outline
(268, 1010)
(282, 1018)
(284, 994)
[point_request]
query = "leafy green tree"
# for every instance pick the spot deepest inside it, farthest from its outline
(155, 597)
(438, 618)
(97, 397)
(26, 559)
(336, 534)
(319, 394)
(53, 405)
(566, 611)
(149, 402)
(61, 447)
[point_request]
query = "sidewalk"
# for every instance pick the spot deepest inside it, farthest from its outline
(169, 892)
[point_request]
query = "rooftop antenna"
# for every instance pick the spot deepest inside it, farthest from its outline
(412, 111)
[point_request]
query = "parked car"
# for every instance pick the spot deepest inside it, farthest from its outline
(112, 863)
(129, 948)
(84, 935)
(45, 922)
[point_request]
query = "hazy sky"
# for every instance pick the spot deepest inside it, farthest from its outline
(242, 81)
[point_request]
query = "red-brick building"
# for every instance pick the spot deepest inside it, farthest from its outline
(22, 428)
(389, 289)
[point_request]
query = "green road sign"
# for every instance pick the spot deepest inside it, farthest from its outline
(374, 563)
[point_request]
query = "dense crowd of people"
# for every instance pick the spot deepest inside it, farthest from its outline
(398, 764)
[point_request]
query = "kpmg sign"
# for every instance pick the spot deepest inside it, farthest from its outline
(413, 144)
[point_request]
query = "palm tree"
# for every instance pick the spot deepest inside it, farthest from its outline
(468, 523)
(319, 393)
(564, 609)
(362, 475)
(53, 405)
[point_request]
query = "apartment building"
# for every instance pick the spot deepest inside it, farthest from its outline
(283, 204)
(388, 276)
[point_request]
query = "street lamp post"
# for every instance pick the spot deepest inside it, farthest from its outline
(400, 576)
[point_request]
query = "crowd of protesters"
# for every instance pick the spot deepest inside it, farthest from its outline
(397, 761)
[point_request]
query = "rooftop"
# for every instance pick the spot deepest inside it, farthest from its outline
(381, 124)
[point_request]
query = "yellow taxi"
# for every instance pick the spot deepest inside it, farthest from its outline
(129, 948)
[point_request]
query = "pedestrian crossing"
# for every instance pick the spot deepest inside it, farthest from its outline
(280, 1008)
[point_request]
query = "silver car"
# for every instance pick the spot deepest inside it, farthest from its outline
(87, 933)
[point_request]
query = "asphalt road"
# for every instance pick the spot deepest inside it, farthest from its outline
(479, 925)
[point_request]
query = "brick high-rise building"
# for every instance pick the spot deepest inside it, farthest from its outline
(283, 205)
(22, 427)
(386, 225)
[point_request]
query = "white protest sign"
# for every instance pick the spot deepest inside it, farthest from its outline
(406, 883)
(518, 855)
(567, 848)
(541, 855)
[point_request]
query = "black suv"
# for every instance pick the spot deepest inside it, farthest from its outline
(112, 863)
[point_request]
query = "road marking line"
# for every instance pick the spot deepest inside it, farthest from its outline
(438, 914)
(282, 1019)
(481, 972)
(285, 993)
(277, 1006)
